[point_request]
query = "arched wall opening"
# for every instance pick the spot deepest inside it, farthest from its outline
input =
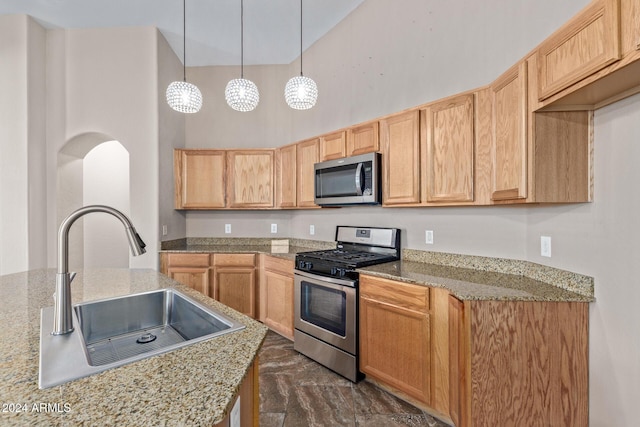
(93, 169)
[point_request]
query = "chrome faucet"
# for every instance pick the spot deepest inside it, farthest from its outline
(62, 312)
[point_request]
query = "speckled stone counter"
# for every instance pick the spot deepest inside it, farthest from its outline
(195, 385)
(476, 283)
(244, 245)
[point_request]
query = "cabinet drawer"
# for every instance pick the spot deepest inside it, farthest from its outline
(234, 260)
(278, 265)
(412, 297)
(188, 260)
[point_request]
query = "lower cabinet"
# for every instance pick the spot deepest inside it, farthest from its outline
(228, 278)
(518, 363)
(249, 401)
(395, 335)
(234, 281)
(276, 294)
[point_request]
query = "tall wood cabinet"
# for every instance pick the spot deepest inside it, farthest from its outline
(276, 294)
(395, 337)
(308, 154)
(250, 182)
(286, 179)
(448, 137)
(400, 141)
(199, 177)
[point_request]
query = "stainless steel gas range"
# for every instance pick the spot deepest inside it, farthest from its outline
(326, 295)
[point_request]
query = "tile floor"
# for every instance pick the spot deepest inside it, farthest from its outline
(295, 391)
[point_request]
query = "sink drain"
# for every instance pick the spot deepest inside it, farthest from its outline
(146, 338)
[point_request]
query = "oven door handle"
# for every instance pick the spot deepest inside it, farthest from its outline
(324, 280)
(359, 180)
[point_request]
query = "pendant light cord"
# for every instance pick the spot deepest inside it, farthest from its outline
(184, 40)
(301, 37)
(242, 39)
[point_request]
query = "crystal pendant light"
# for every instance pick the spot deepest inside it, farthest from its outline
(242, 94)
(301, 92)
(182, 96)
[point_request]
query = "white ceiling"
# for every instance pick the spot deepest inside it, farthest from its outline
(271, 27)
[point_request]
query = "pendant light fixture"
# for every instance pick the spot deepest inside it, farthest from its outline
(301, 92)
(242, 94)
(182, 96)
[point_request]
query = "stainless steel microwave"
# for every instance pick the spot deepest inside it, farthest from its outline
(349, 181)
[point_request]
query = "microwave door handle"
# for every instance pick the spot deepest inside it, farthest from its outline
(358, 179)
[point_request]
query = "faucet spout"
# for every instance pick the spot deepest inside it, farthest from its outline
(63, 319)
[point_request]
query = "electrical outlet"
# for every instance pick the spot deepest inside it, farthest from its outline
(428, 237)
(545, 246)
(274, 228)
(312, 230)
(165, 230)
(227, 228)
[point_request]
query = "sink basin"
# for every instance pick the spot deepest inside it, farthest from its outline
(113, 332)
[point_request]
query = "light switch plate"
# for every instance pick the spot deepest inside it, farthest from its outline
(227, 228)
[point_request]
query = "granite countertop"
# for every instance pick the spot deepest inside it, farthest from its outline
(474, 284)
(195, 385)
(277, 251)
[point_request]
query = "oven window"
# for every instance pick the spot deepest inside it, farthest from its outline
(323, 307)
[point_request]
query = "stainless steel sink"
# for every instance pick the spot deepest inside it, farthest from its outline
(116, 331)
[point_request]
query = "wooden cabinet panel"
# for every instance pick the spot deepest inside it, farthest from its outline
(363, 139)
(586, 44)
(286, 177)
(395, 335)
(199, 179)
(400, 141)
(194, 277)
(509, 145)
(459, 353)
(333, 146)
(235, 287)
(188, 260)
(276, 302)
(250, 178)
(234, 260)
(307, 155)
(447, 130)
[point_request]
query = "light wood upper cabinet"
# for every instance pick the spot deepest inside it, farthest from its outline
(400, 140)
(250, 178)
(286, 187)
(395, 343)
(363, 139)
(333, 146)
(447, 131)
(509, 145)
(199, 178)
(587, 43)
(307, 155)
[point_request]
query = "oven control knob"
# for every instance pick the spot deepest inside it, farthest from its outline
(308, 265)
(334, 271)
(301, 265)
(341, 272)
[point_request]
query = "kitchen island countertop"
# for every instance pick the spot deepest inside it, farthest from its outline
(195, 385)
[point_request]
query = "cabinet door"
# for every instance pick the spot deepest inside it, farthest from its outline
(286, 177)
(276, 302)
(509, 143)
(199, 179)
(395, 335)
(363, 139)
(307, 155)
(194, 277)
(447, 130)
(586, 44)
(333, 146)
(250, 178)
(400, 140)
(458, 362)
(235, 287)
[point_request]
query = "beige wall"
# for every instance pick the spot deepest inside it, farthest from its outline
(22, 144)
